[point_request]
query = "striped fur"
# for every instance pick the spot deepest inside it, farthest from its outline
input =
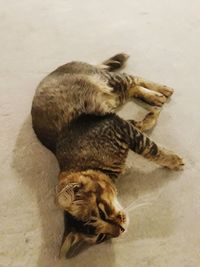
(73, 114)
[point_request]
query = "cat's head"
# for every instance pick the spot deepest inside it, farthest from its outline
(90, 198)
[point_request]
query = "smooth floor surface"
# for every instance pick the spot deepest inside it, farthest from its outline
(163, 40)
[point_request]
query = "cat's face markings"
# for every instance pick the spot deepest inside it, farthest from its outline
(99, 228)
(102, 213)
(114, 221)
(95, 209)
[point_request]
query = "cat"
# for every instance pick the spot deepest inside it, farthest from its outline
(73, 115)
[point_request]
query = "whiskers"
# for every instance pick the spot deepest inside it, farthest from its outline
(141, 202)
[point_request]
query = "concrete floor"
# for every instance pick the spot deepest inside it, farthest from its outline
(163, 39)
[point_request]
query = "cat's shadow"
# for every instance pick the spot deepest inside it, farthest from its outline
(37, 168)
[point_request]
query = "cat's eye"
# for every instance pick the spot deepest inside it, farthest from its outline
(89, 230)
(102, 214)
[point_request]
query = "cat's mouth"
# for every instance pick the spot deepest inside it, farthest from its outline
(103, 237)
(90, 230)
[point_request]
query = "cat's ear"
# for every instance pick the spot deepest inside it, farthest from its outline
(65, 194)
(70, 243)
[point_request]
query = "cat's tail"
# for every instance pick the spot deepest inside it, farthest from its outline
(116, 62)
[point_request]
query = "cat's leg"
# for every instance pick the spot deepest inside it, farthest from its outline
(163, 89)
(150, 92)
(127, 86)
(143, 145)
(148, 96)
(104, 92)
(149, 120)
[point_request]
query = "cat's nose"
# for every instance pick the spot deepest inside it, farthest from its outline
(121, 217)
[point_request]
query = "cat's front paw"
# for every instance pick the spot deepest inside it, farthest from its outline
(175, 162)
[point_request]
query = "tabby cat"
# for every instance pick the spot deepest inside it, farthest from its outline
(73, 115)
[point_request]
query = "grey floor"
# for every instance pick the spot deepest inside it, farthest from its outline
(163, 39)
